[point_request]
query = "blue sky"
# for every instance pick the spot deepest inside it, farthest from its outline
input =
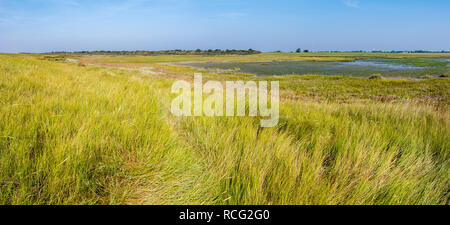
(74, 25)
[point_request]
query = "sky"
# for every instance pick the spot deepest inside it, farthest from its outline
(317, 25)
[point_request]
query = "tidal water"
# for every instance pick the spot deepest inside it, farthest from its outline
(361, 67)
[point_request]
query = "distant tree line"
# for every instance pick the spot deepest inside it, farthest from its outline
(168, 52)
(299, 50)
(394, 51)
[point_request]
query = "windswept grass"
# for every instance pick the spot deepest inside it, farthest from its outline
(72, 135)
(329, 154)
(92, 135)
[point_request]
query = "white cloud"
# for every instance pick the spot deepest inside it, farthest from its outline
(352, 3)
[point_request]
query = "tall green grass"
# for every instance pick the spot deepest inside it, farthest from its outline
(72, 135)
(90, 135)
(329, 154)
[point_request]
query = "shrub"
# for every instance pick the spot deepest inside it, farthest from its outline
(375, 77)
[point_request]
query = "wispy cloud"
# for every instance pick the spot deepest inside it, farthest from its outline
(232, 15)
(352, 3)
(69, 2)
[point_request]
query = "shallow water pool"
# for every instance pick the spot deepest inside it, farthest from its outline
(363, 67)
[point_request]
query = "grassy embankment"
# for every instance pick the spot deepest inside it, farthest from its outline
(93, 135)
